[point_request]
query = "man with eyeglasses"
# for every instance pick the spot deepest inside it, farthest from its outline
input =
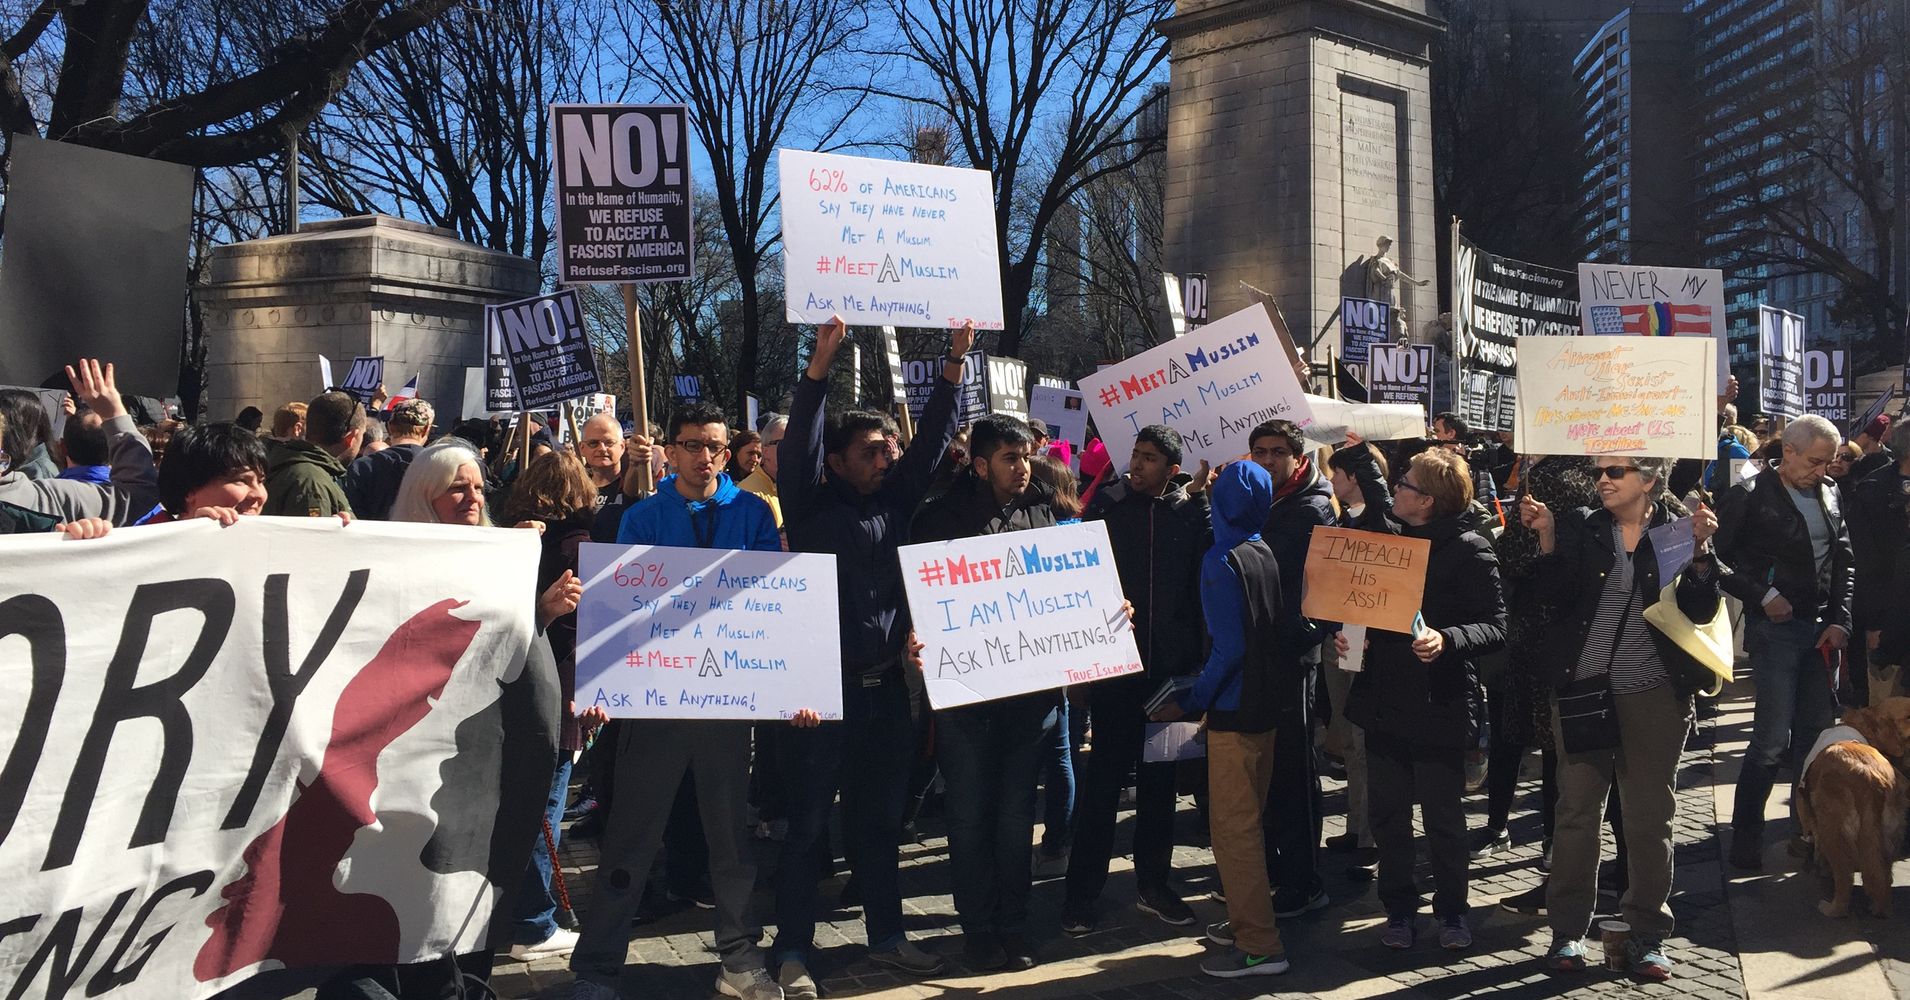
(602, 450)
(699, 507)
(1783, 536)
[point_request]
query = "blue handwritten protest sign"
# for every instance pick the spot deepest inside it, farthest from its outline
(1002, 615)
(888, 243)
(678, 633)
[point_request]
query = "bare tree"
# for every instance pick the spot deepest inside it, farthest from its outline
(1829, 199)
(1506, 135)
(1042, 94)
(755, 75)
(251, 99)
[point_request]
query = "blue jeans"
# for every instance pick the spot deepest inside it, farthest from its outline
(990, 756)
(1057, 779)
(536, 905)
(867, 756)
(1794, 704)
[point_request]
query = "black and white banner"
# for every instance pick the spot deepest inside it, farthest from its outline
(623, 193)
(546, 348)
(1401, 373)
(1363, 323)
(1008, 387)
(1780, 362)
(971, 400)
(364, 377)
(1497, 300)
(1827, 384)
(286, 744)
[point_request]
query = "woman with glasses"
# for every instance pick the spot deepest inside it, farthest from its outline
(1418, 698)
(1622, 705)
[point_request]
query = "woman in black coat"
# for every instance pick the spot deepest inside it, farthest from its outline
(1622, 698)
(1419, 702)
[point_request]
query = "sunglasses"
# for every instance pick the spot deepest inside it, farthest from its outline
(1613, 472)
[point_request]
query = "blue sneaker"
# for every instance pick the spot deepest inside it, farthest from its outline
(1398, 934)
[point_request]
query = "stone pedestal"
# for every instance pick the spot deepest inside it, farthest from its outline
(367, 285)
(1298, 133)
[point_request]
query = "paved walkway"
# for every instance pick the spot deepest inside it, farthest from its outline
(1758, 937)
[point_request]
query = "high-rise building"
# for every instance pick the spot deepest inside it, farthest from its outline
(1751, 68)
(1635, 116)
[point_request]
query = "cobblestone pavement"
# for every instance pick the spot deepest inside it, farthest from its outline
(1335, 951)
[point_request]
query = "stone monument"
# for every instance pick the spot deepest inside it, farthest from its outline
(366, 285)
(1299, 132)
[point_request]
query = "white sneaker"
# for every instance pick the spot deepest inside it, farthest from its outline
(796, 981)
(750, 984)
(584, 989)
(557, 945)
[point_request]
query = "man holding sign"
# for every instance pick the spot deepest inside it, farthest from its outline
(990, 752)
(699, 507)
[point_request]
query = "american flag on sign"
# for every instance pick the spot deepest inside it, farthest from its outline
(1655, 319)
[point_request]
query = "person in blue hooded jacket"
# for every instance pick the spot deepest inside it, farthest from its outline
(699, 507)
(1241, 597)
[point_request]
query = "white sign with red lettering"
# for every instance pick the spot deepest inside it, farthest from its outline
(1007, 614)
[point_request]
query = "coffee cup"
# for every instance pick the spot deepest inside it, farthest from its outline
(1612, 935)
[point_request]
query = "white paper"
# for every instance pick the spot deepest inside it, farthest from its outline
(1063, 411)
(888, 243)
(681, 633)
(1354, 660)
(1332, 418)
(1214, 386)
(1172, 741)
(1024, 611)
(325, 382)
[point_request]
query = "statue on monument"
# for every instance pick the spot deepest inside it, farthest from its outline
(1382, 283)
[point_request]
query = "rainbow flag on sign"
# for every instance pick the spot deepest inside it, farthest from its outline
(1654, 319)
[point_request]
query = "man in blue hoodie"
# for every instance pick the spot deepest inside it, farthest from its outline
(1241, 597)
(699, 507)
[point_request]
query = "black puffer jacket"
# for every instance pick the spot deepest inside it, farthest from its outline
(823, 514)
(1762, 537)
(1440, 703)
(1158, 543)
(1572, 579)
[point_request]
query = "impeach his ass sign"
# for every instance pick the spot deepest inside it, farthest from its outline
(1365, 578)
(1007, 614)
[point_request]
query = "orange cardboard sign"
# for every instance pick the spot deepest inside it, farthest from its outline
(1365, 578)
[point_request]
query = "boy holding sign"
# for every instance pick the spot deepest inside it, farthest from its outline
(699, 507)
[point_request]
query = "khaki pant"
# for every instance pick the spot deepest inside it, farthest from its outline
(1651, 737)
(1239, 769)
(1347, 740)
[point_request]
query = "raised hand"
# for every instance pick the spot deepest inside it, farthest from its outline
(829, 338)
(963, 339)
(97, 388)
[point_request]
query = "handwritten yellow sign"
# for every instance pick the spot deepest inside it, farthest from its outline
(1617, 396)
(1365, 578)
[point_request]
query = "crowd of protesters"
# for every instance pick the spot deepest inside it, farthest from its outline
(1532, 636)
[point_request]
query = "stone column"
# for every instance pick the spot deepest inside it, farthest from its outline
(1298, 133)
(366, 285)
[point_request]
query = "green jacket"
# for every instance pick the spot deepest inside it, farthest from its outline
(301, 480)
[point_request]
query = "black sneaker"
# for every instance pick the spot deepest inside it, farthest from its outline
(1341, 843)
(1747, 852)
(1292, 904)
(983, 953)
(1166, 906)
(1489, 842)
(1077, 919)
(1020, 954)
(1529, 903)
(1363, 866)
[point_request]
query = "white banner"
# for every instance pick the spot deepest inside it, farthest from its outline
(288, 743)
(888, 243)
(1618, 396)
(1401, 373)
(1063, 412)
(1214, 386)
(1007, 614)
(1332, 418)
(681, 633)
(1623, 300)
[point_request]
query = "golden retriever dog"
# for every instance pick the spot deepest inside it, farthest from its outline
(1851, 803)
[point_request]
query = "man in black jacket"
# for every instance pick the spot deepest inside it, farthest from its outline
(371, 483)
(1783, 538)
(1877, 512)
(990, 752)
(1302, 500)
(844, 493)
(1159, 533)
